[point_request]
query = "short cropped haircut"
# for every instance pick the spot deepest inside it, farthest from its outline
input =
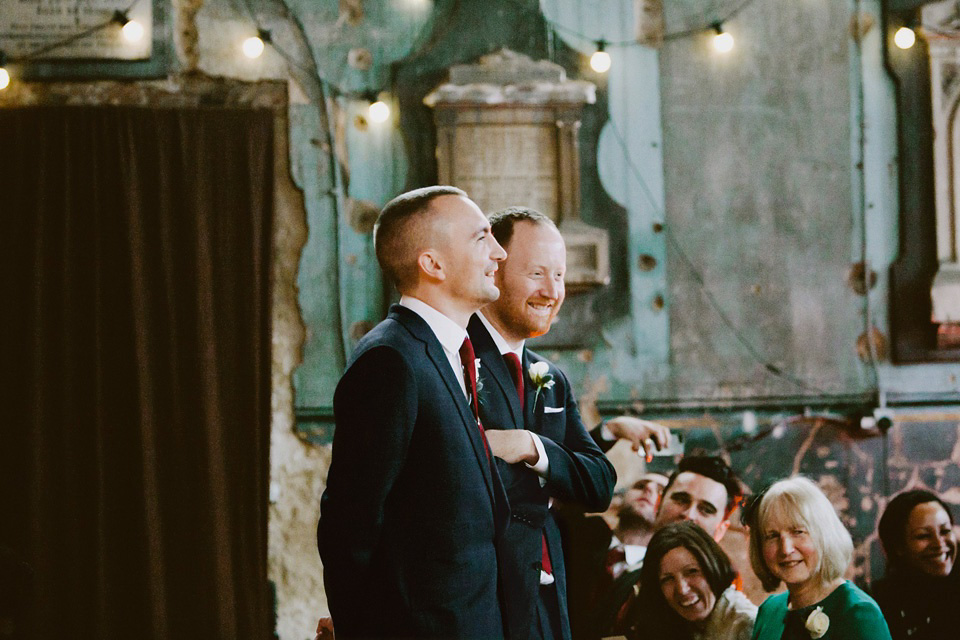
(714, 564)
(799, 502)
(397, 236)
(502, 222)
(893, 523)
(716, 469)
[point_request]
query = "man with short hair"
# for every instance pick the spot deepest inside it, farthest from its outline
(542, 447)
(704, 490)
(534, 427)
(414, 508)
(635, 521)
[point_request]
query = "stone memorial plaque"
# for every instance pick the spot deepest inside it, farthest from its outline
(27, 26)
(507, 134)
(501, 165)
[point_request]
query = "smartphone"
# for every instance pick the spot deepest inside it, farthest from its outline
(674, 446)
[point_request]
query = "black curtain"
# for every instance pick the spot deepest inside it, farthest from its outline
(135, 266)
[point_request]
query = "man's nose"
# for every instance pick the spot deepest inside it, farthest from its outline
(497, 253)
(549, 288)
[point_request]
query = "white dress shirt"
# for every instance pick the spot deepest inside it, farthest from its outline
(449, 334)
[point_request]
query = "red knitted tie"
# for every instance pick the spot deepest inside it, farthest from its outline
(468, 360)
(513, 363)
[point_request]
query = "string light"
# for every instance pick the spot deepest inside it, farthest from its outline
(904, 37)
(254, 45)
(131, 29)
(722, 41)
(4, 75)
(379, 111)
(600, 60)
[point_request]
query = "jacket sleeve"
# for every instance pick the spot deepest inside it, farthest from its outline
(578, 471)
(375, 408)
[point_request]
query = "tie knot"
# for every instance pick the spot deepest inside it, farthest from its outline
(513, 364)
(467, 355)
(512, 361)
(616, 554)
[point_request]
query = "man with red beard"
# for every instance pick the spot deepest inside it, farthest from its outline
(533, 424)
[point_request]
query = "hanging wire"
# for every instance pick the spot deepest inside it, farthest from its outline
(68, 40)
(698, 277)
(675, 35)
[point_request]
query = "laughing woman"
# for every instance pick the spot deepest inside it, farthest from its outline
(686, 590)
(797, 539)
(920, 593)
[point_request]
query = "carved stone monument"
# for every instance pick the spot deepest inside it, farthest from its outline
(507, 134)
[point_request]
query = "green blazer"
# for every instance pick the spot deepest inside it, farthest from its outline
(851, 614)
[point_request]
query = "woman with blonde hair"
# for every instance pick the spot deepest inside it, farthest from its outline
(797, 539)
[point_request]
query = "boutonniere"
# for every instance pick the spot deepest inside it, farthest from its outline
(817, 623)
(541, 378)
(476, 364)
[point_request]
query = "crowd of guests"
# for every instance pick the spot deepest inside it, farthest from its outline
(460, 459)
(685, 586)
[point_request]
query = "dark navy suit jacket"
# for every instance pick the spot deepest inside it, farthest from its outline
(414, 511)
(578, 473)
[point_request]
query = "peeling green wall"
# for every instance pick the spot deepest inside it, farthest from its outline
(754, 163)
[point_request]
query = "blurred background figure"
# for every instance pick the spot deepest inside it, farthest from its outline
(920, 592)
(797, 539)
(687, 590)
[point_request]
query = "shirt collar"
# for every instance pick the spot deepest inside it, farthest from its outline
(499, 340)
(632, 553)
(448, 332)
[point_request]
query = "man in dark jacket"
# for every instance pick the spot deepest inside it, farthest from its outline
(533, 425)
(414, 509)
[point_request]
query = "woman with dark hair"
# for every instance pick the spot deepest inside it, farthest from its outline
(920, 592)
(686, 590)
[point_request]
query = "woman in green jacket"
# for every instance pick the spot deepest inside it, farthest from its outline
(797, 539)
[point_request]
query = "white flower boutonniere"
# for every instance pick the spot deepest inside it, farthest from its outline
(817, 623)
(476, 364)
(541, 378)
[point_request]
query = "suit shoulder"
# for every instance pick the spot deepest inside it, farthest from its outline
(388, 333)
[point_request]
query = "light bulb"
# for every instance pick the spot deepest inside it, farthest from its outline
(723, 42)
(600, 61)
(4, 78)
(904, 37)
(132, 31)
(253, 47)
(379, 111)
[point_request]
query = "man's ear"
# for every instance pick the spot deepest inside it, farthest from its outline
(721, 530)
(431, 266)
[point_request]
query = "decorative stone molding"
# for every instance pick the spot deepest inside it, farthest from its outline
(507, 133)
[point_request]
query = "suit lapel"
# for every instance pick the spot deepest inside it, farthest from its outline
(419, 328)
(496, 368)
(531, 402)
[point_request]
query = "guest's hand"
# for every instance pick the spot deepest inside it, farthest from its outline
(641, 434)
(324, 629)
(513, 445)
